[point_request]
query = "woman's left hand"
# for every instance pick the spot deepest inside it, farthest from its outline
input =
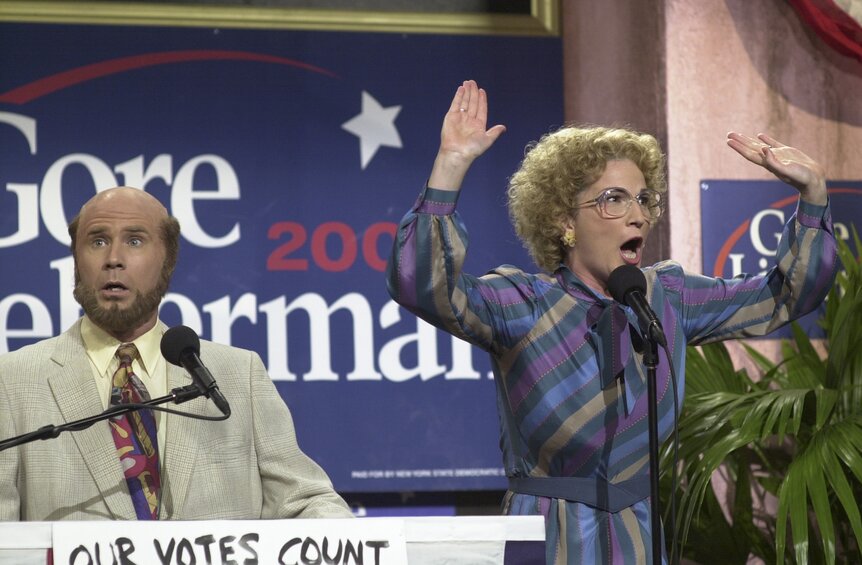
(787, 163)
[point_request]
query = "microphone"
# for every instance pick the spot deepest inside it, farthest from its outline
(181, 346)
(627, 285)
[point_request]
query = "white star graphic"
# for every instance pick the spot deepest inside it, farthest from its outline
(374, 126)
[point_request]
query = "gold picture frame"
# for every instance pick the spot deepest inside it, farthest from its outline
(544, 17)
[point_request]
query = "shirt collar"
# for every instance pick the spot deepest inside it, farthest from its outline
(101, 347)
(575, 286)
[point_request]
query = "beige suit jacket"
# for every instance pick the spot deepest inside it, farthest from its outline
(246, 467)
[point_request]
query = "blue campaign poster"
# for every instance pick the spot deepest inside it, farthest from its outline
(742, 220)
(288, 157)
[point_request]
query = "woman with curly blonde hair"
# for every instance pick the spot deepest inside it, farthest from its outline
(570, 388)
(557, 170)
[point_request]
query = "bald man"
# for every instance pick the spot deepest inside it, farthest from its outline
(249, 466)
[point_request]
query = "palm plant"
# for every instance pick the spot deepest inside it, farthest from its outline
(792, 438)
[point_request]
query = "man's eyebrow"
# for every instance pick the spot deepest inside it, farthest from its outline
(130, 230)
(136, 230)
(95, 230)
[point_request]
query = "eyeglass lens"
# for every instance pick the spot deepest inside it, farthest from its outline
(617, 201)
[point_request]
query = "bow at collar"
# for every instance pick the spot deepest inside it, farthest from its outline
(613, 333)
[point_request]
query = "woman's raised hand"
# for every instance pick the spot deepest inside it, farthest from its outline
(787, 163)
(463, 137)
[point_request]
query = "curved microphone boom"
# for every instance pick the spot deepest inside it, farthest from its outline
(181, 346)
(627, 285)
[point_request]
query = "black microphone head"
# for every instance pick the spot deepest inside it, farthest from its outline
(177, 341)
(623, 280)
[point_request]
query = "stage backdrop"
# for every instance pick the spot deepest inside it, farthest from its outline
(288, 157)
(742, 221)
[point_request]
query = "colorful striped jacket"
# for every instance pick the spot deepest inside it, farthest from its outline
(570, 392)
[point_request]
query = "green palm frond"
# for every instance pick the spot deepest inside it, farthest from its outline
(712, 371)
(723, 424)
(794, 433)
(817, 475)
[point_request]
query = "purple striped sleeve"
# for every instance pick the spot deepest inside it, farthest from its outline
(437, 202)
(714, 293)
(812, 215)
(505, 296)
(406, 268)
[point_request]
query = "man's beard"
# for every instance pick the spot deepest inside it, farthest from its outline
(113, 319)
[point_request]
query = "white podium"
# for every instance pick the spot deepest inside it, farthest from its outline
(500, 540)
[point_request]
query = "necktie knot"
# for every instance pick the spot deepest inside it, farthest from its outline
(126, 353)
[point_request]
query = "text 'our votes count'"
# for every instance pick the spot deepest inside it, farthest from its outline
(231, 550)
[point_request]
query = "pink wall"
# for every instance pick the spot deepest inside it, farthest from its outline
(751, 67)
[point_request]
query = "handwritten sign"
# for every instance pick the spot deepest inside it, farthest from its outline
(372, 541)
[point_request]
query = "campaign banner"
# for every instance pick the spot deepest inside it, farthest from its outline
(288, 157)
(742, 221)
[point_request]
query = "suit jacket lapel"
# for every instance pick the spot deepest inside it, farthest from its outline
(181, 449)
(75, 393)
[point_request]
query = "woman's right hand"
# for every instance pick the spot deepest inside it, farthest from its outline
(463, 137)
(788, 164)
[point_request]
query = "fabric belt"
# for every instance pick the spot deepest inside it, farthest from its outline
(592, 492)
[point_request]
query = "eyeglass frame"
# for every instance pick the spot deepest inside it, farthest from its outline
(601, 205)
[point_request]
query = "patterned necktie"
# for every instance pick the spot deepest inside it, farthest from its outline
(135, 437)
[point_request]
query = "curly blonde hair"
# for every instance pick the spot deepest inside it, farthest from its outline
(544, 191)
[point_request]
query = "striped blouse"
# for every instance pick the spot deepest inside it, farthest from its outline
(571, 394)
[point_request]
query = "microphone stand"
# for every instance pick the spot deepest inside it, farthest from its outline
(650, 359)
(177, 396)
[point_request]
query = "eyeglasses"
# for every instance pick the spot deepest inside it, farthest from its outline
(614, 202)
